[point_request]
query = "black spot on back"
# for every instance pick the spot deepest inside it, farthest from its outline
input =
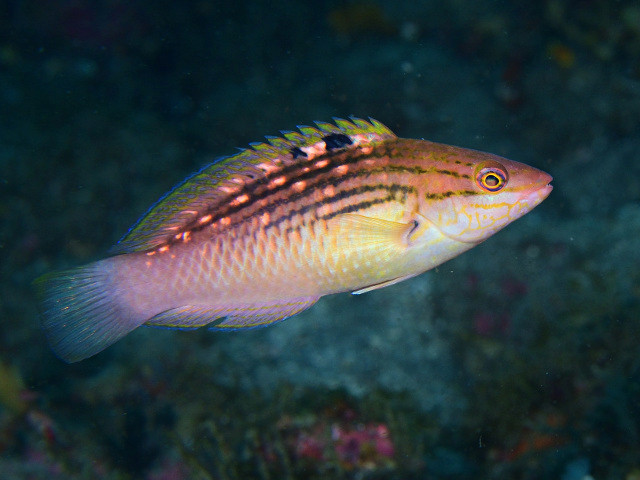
(336, 140)
(296, 152)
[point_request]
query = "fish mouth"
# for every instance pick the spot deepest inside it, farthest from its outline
(536, 197)
(546, 190)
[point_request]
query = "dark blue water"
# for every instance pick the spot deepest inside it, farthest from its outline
(516, 360)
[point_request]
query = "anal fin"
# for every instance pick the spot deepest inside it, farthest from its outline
(186, 317)
(386, 283)
(262, 315)
(231, 317)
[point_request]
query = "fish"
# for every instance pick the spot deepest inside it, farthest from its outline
(259, 236)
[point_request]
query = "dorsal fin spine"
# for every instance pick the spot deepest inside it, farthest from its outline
(294, 137)
(328, 127)
(279, 142)
(311, 133)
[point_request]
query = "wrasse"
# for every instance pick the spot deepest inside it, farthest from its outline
(260, 236)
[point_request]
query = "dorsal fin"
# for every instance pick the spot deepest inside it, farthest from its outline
(223, 180)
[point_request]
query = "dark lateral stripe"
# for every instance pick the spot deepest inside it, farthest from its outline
(298, 197)
(296, 173)
(294, 197)
(335, 182)
(450, 193)
(357, 207)
(451, 173)
(392, 190)
(311, 188)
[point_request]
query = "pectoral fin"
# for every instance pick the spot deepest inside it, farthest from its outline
(384, 236)
(360, 231)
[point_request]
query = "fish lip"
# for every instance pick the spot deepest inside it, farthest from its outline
(538, 195)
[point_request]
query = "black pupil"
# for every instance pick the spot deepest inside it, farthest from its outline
(492, 180)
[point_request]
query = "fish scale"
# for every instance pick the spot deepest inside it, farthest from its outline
(259, 236)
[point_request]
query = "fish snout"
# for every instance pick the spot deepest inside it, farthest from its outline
(540, 188)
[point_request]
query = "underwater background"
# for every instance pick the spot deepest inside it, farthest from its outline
(518, 359)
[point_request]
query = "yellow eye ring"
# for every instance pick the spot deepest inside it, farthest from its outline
(492, 178)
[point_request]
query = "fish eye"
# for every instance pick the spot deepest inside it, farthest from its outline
(491, 178)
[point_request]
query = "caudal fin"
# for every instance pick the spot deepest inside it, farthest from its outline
(81, 313)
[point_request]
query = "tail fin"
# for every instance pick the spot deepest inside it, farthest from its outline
(81, 313)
